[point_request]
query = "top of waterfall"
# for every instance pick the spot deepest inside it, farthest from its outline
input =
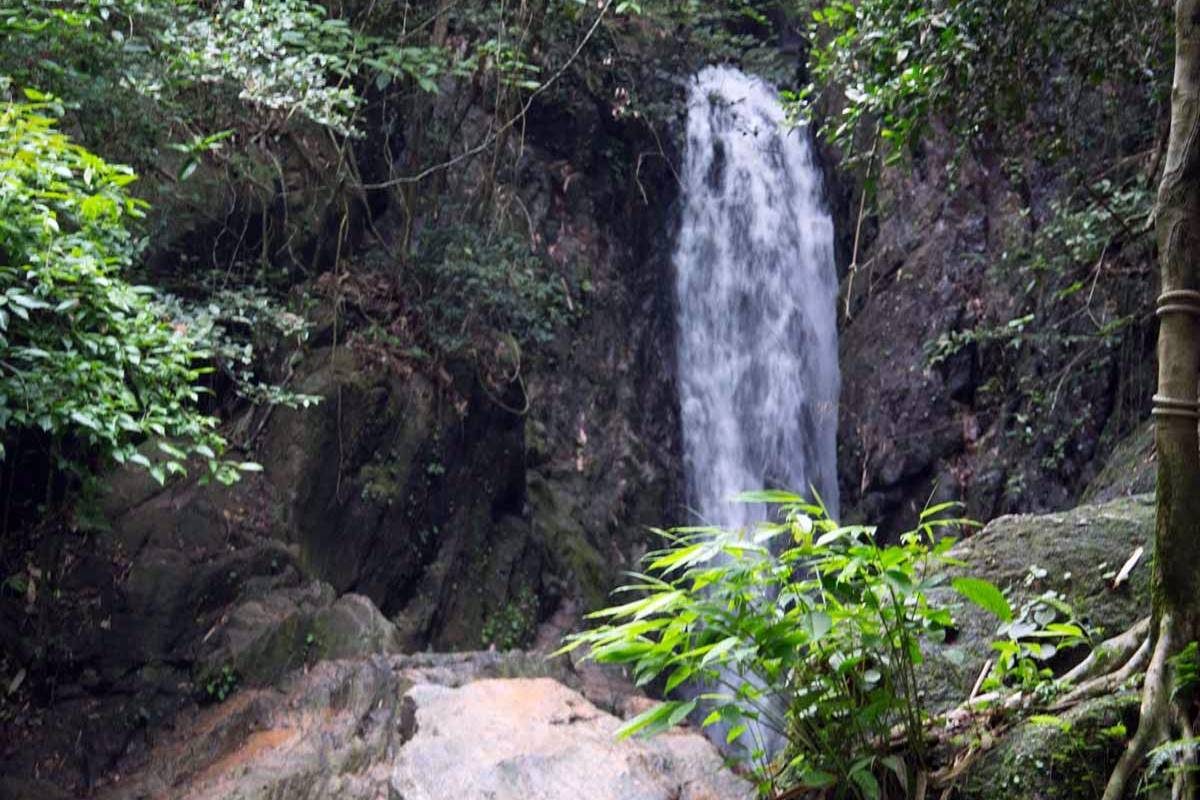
(737, 87)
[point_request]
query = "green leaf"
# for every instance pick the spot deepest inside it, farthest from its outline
(866, 783)
(933, 511)
(86, 420)
(817, 624)
(985, 595)
(657, 719)
(676, 678)
(719, 649)
(773, 496)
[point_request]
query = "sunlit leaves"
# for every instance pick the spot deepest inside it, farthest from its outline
(84, 354)
(985, 595)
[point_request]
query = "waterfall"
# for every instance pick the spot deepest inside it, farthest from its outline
(756, 289)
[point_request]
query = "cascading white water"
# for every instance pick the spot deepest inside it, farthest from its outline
(756, 289)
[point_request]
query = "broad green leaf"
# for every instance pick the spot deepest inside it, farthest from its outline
(985, 595)
(719, 649)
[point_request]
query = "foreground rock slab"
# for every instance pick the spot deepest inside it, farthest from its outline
(538, 740)
(419, 728)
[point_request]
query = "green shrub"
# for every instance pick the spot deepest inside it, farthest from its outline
(817, 644)
(84, 355)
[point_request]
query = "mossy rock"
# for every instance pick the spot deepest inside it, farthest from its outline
(1067, 757)
(1076, 549)
(264, 639)
(1131, 469)
(555, 507)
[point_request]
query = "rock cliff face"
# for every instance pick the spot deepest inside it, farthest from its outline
(415, 506)
(959, 380)
(996, 334)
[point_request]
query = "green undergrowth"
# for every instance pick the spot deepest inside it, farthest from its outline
(814, 635)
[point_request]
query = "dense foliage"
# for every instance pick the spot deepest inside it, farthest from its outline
(802, 641)
(798, 631)
(86, 356)
(984, 70)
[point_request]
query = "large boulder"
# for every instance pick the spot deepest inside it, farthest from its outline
(519, 739)
(1071, 553)
(1074, 553)
(432, 727)
(264, 638)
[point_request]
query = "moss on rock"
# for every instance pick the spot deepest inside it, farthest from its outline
(1076, 549)
(1055, 758)
(554, 505)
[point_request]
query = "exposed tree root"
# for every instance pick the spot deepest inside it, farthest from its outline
(1111, 664)
(1104, 684)
(1111, 653)
(1159, 710)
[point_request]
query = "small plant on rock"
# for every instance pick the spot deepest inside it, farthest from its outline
(221, 685)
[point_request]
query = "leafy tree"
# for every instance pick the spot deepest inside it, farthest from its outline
(85, 356)
(986, 71)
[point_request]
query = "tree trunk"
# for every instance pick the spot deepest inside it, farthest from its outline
(1176, 581)
(1177, 542)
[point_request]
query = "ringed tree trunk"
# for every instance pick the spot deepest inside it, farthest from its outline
(1177, 536)
(1176, 614)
